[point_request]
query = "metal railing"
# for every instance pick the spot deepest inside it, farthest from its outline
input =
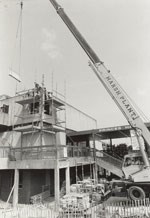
(38, 152)
(49, 152)
(77, 151)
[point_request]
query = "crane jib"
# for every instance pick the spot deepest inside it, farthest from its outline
(114, 89)
(89, 51)
(122, 98)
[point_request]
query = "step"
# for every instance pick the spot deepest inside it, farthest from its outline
(109, 163)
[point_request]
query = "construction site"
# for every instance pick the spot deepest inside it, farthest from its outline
(56, 162)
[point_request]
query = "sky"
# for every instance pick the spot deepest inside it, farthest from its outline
(117, 30)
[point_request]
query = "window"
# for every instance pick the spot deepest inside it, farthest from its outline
(46, 108)
(34, 108)
(5, 108)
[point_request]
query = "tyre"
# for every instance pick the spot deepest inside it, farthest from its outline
(136, 193)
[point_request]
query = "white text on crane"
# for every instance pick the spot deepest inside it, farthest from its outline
(122, 98)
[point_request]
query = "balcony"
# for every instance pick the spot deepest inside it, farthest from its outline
(76, 151)
(38, 152)
(48, 152)
(44, 157)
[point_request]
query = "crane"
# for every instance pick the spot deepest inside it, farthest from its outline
(138, 181)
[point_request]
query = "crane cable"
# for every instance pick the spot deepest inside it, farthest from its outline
(20, 48)
(18, 33)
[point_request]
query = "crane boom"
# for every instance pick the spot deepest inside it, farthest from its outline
(111, 85)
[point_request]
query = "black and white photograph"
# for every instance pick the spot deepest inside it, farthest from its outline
(74, 109)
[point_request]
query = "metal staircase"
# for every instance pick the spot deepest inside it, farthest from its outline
(112, 164)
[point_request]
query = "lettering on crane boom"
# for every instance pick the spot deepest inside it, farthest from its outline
(122, 98)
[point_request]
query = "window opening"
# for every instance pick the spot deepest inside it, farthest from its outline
(5, 108)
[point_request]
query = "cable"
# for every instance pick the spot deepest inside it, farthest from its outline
(19, 30)
(20, 47)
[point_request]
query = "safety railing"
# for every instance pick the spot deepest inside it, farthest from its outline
(77, 151)
(39, 152)
(49, 152)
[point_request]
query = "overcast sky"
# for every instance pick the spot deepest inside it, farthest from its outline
(118, 31)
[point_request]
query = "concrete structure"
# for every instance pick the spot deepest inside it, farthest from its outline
(34, 154)
(38, 150)
(107, 141)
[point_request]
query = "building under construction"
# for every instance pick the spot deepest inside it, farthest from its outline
(34, 154)
(40, 154)
(52, 152)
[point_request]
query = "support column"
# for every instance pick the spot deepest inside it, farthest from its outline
(110, 142)
(16, 188)
(57, 182)
(56, 173)
(94, 174)
(95, 159)
(68, 180)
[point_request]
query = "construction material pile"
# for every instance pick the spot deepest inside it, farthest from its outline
(82, 196)
(75, 202)
(96, 191)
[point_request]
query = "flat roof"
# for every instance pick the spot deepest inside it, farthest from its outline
(107, 133)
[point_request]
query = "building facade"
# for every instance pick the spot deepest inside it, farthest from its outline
(34, 154)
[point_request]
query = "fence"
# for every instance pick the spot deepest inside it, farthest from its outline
(126, 209)
(29, 211)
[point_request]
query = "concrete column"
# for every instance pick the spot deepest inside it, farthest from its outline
(68, 180)
(16, 188)
(94, 174)
(95, 159)
(110, 141)
(57, 182)
(56, 173)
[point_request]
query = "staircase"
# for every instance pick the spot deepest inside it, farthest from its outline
(112, 164)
